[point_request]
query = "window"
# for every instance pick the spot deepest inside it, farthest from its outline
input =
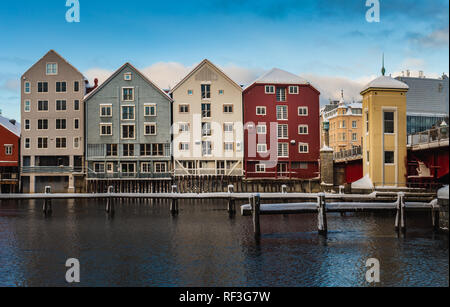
(228, 127)
(389, 122)
(261, 111)
(283, 150)
(160, 167)
(27, 87)
(127, 132)
(282, 112)
(149, 150)
(61, 105)
(76, 143)
(389, 157)
(111, 150)
(42, 87)
(303, 148)
(150, 129)
(354, 137)
(343, 124)
(76, 86)
(260, 168)
(27, 106)
(105, 129)
(190, 92)
(283, 131)
(261, 129)
(303, 129)
(293, 90)
(110, 168)
(343, 136)
(8, 150)
(105, 110)
(76, 105)
(303, 166)
(228, 108)
(354, 124)
(206, 148)
(206, 110)
(184, 146)
(206, 91)
(61, 87)
(128, 168)
(128, 94)
(281, 94)
(221, 92)
(303, 111)
(128, 113)
(368, 157)
(184, 108)
(27, 125)
(61, 124)
(76, 124)
(183, 127)
(42, 105)
(150, 110)
(52, 69)
(367, 122)
(27, 143)
(61, 143)
(42, 143)
(270, 89)
(42, 124)
(127, 76)
(99, 168)
(128, 150)
(228, 146)
(261, 148)
(206, 129)
(146, 167)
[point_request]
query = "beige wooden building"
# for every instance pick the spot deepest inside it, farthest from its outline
(208, 123)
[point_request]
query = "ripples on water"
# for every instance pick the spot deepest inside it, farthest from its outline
(144, 246)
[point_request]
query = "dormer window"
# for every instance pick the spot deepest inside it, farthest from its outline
(270, 89)
(52, 69)
(127, 76)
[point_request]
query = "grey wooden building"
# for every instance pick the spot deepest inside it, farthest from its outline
(128, 131)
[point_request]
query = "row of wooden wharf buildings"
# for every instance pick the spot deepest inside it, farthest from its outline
(128, 129)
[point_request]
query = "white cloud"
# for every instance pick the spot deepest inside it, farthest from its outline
(99, 73)
(12, 85)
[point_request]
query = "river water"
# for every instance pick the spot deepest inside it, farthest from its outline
(143, 245)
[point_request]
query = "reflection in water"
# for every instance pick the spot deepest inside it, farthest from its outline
(143, 245)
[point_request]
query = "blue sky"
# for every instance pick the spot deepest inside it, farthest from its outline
(328, 42)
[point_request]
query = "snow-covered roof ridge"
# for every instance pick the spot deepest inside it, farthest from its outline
(385, 82)
(279, 76)
(5, 122)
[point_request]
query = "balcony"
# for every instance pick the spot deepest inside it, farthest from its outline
(348, 155)
(52, 170)
(124, 176)
(433, 138)
(9, 177)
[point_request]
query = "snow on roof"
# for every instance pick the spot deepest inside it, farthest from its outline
(385, 82)
(8, 125)
(364, 183)
(279, 76)
(355, 105)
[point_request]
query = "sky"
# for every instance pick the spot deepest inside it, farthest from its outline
(328, 42)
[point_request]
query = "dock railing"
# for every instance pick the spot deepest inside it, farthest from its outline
(353, 153)
(429, 136)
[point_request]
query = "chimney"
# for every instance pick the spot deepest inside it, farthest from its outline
(12, 121)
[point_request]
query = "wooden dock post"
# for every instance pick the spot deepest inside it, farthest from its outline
(322, 224)
(109, 201)
(231, 202)
(47, 207)
(435, 216)
(255, 202)
(174, 204)
(400, 218)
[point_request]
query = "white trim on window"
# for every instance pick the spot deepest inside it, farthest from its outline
(302, 111)
(269, 89)
(261, 108)
(301, 129)
(150, 125)
(303, 148)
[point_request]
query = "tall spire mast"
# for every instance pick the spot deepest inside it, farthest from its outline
(383, 70)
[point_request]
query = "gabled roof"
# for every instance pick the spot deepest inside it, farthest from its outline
(198, 67)
(58, 55)
(385, 82)
(9, 126)
(279, 76)
(91, 94)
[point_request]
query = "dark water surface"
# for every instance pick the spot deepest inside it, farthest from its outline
(144, 246)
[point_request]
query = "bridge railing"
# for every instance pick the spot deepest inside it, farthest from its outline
(346, 154)
(428, 136)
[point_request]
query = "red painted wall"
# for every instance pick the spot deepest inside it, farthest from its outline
(308, 97)
(354, 171)
(7, 137)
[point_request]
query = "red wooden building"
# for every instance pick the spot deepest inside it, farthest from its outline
(9, 155)
(282, 135)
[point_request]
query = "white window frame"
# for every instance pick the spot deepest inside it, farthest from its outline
(303, 108)
(60, 138)
(228, 144)
(27, 85)
(61, 87)
(25, 125)
(108, 106)
(283, 137)
(27, 141)
(354, 124)
(300, 127)
(9, 149)
(42, 138)
(262, 149)
(228, 125)
(109, 168)
(300, 145)
(184, 146)
(261, 129)
(105, 125)
(227, 105)
(75, 143)
(184, 105)
(128, 163)
(160, 163)
(260, 168)
(287, 150)
(127, 119)
(182, 126)
(261, 108)
(127, 138)
(56, 105)
(74, 126)
(296, 92)
(149, 106)
(287, 112)
(269, 89)
(54, 69)
(127, 76)
(99, 164)
(150, 125)
(132, 94)
(61, 121)
(147, 169)
(27, 103)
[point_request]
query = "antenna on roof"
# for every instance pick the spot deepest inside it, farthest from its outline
(383, 70)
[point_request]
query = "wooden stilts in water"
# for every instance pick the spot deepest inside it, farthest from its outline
(231, 203)
(174, 205)
(109, 201)
(400, 218)
(322, 214)
(256, 209)
(435, 217)
(47, 207)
